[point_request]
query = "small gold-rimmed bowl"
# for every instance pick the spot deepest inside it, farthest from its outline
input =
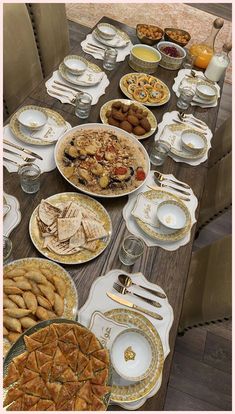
(193, 141)
(144, 58)
(106, 31)
(206, 91)
(31, 118)
(132, 354)
(171, 215)
(75, 64)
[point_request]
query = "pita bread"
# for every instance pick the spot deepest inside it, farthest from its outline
(91, 246)
(67, 227)
(72, 210)
(89, 214)
(78, 239)
(61, 248)
(47, 212)
(93, 229)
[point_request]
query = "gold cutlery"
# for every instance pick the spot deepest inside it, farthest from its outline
(12, 162)
(194, 75)
(125, 302)
(191, 121)
(91, 49)
(22, 149)
(97, 47)
(66, 90)
(68, 87)
(183, 115)
(71, 100)
(170, 186)
(26, 159)
(180, 196)
(161, 177)
(124, 291)
(127, 281)
(187, 123)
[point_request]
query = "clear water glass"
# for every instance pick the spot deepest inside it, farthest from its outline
(159, 152)
(7, 250)
(189, 60)
(185, 98)
(132, 248)
(83, 105)
(110, 58)
(29, 178)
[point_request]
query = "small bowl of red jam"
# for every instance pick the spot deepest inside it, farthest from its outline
(172, 55)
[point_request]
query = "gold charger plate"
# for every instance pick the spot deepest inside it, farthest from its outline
(165, 234)
(151, 118)
(138, 75)
(71, 298)
(69, 77)
(23, 134)
(183, 153)
(135, 391)
(119, 32)
(19, 347)
(84, 255)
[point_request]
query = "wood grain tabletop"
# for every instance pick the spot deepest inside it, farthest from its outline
(168, 269)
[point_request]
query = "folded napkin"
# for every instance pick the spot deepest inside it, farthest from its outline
(65, 96)
(49, 132)
(181, 77)
(46, 152)
(99, 54)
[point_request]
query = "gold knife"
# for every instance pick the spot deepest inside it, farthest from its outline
(22, 149)
(132, 305)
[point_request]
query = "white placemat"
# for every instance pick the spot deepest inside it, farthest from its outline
(122, 52)
(181, 76)
(133, 227)
(95, 91)
(98, 300)
(46, 152)
(168, 118)
(13, 217)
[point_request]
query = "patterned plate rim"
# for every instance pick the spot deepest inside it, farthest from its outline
(15, 125)
(124, 90)
(146, 323)
(35, 328)
(58, 258)
(120, 32)
(176, 235)
(7, 344)
(183, 154)
(92, 66)
(151, 118)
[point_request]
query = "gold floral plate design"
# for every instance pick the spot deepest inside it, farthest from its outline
(71, 298)
(162, 233)
(25, 135)
(135, 77)
(183, 153)
(137, 390)
(151, 118)
(119, 33)
(84, 255)
(69, 77)
(19, 347)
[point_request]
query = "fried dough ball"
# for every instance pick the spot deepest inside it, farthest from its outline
(133, 120)
(126, 126)
(119, 116)
(138, 130)
(117, 105)
(145, 124)
(113, 122)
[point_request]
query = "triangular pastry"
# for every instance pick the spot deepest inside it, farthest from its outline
(12, 375)
(31, 344)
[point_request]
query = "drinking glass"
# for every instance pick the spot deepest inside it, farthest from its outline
(110, 58)
(189, 60)
(159, 152)
(29, 178)
(132, 248)
(7, 250)
(83, 105)
(186, 97)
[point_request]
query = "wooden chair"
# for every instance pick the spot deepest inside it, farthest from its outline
(208, 293)
(221, 142)
(21, 65)
(50, 28)
(217, 194)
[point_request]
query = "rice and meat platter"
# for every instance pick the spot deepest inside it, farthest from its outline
(102, 161)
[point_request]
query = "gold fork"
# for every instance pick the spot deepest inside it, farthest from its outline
(124, 291)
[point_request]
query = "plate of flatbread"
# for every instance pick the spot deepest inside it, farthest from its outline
(70, 228)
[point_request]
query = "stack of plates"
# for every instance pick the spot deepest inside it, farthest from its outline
(121, 39)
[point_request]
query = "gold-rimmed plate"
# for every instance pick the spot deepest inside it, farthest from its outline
(82, 256)
(151, 118)
(126, 392)
(24, 134)
(177, 147)
(35, 263)
(121, 39)
(76, 79)
(154, 83)
(161, 232)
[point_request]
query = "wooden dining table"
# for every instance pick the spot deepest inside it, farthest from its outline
(169, 269)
